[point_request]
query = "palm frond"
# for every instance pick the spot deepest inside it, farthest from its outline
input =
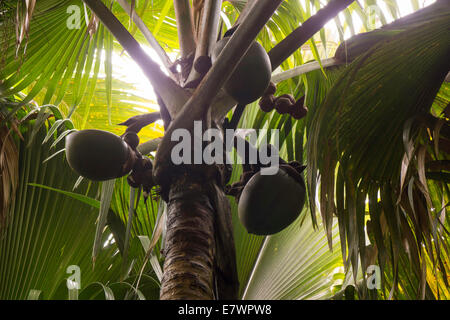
(375, 97)
(48, 231)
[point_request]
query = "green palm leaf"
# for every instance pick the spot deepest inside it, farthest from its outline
(48, 231)
(375, 97)
(65, 67)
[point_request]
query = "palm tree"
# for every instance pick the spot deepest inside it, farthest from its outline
(403, 190)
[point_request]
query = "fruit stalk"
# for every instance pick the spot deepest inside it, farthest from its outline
(148, 35)
(184, 27)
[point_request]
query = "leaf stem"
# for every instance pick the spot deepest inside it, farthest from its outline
(173, 95)
(299, 36)
(207, 31)
(185, 29)
(304, 68)
(147, 34)
(238, 112)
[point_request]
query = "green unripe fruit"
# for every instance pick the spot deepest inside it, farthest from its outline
(252, 75)
(97, 155)
(270, 203)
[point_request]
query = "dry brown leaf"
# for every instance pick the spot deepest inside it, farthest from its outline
(9, 174)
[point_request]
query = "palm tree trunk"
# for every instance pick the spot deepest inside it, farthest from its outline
(200, 258)
(190, 247)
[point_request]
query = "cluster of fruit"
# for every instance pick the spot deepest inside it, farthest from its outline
(100, 155)
(263, 209)
(284, 104)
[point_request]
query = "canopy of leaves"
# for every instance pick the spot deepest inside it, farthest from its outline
(369, 149)
(375, 157)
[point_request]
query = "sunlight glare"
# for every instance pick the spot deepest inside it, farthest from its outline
(405, 8)
(128, 71)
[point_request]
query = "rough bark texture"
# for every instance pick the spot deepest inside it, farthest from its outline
(190, 247)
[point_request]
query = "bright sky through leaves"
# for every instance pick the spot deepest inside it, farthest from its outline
(127, 70)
